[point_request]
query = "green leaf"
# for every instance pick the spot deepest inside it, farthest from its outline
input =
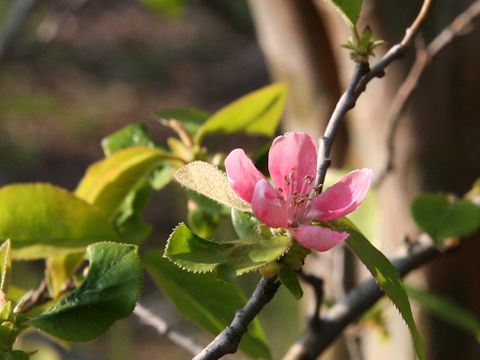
(446, 310)
(350, 10)
(384, 272)
(193, 253)
(206, 179)
(5, 267)
(205, 300)
(109, 293)
(14, 355)
(246, 225)
(441, 218)
(288, 277)
(203, 223)
(255, 113)
(191, 119)
(171, 8)
(135, 134)
(108, 182)
(42, 220)
(60, 269)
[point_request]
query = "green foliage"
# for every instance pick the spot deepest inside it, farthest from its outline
(59, 269)
(191, 119)
(350, 10)
(42, 220)
(289, 279)
(209, 181)
(206, 300)
(108, 293)
(446, 310)
(135, 134)
(5, 268)
(441, 218)
(255, 113)
(235, 258)
(14, 355)
(361, 46)
(107, 183)
(171, 8)
(246, 225)
(384, 272)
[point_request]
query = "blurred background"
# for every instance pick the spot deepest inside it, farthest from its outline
(73, 71)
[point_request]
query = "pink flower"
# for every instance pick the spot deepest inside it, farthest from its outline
(294, 202)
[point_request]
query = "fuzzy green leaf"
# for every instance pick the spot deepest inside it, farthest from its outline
(109, 293)
(193, 253)
(255, 113)
(441, 218)
(42, 220)
(349, 9)
(385, 273)
(205, 300)
(206, 179)
(446, 310)
(107, 183)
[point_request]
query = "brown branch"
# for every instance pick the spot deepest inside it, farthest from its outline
(162, 327)
(316, 339)
(461, 25)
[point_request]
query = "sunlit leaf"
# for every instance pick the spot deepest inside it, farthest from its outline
(205, 300)
(255, 113)
(59, 269)
(350, 9)
(5, 268)
(446, 310)
(193, 253)
(42, 220)
(109, 293)
(441, 218)
(209, 181)
(107, 183)
(385, 273)
(171, 8)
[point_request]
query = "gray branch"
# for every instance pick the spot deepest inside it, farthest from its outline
(228, 340)
(318, 337)
(162, 327)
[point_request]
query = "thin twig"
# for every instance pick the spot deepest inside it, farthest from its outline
(361, 77)
(317, 285)
(14, 21)
(228, 340)
(162, 327)
(316, 339)
(461, 25)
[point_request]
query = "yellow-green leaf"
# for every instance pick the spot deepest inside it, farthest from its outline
(349, 9)
(107, 182)
(42, 220)
(255, 113)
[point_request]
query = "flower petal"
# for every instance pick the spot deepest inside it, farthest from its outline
(317, 237)
(292, 151)
(341, 198)
(242, 174)
(267, 207)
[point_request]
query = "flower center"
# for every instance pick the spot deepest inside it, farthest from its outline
(297, 198)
